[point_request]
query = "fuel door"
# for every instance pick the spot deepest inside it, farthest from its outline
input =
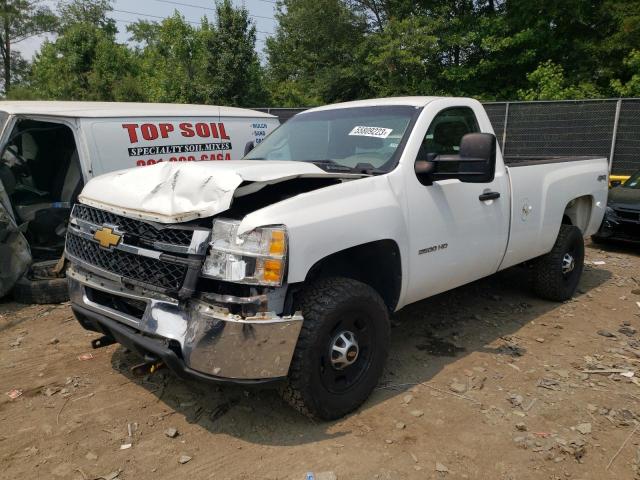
(525, 209)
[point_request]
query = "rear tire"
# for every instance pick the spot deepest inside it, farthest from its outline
(40, 285)
(341, 350)
(556, 275)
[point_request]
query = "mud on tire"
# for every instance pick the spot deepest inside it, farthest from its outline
(340, 314)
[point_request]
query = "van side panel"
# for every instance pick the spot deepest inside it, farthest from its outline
(119, 143)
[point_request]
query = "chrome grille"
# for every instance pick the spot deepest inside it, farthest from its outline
(145, 231)
(157, 272)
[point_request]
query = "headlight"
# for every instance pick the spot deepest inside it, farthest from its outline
(257, 257)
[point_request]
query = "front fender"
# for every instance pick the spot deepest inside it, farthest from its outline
(334, 218)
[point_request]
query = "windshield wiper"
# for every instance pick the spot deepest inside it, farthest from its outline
(367, 169)
(330, 165)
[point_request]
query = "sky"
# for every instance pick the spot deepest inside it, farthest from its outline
(127, 11)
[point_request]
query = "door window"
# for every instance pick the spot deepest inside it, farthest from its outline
(446, 131)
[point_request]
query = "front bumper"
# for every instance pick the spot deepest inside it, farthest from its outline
(195, 339)
(619, 229)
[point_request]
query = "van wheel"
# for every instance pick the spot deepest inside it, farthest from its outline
(341, 349)
(556, 274)
(40, 285)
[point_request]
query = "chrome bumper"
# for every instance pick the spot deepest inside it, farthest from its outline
(212, 340)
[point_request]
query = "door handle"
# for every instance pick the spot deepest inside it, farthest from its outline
(489, 196)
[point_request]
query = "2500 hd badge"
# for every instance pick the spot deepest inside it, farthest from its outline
(435, 248)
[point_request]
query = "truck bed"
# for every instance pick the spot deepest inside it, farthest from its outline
(540, 196)
(523, 161)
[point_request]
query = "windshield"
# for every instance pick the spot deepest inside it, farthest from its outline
(363, 139)
(633, 181)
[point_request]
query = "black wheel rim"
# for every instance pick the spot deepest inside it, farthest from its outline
(340, 380)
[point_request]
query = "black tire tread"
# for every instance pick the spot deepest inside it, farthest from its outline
(547, 283)
(315, 299)
(38, 291)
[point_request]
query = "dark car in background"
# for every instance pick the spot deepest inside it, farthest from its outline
(622, 217)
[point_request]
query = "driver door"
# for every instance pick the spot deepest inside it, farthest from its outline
(456, 236)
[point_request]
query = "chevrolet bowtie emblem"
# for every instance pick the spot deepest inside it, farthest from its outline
(106, 237)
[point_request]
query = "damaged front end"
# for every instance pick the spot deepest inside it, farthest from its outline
(154, 266)
(199, 299)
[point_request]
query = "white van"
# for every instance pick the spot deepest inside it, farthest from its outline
(51, 149)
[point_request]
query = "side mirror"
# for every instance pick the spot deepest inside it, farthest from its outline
(615, 183)
(476, 162)
(248, 147)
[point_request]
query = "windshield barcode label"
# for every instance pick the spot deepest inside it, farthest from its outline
(377, 132)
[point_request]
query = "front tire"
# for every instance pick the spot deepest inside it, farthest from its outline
(341, 349)
(41, 285)
(556, 275)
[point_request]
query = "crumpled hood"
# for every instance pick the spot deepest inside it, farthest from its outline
(173, 192)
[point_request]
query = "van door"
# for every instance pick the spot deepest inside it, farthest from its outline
(15, 256)
(457, 234)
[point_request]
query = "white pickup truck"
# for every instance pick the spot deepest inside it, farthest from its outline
(285, 266)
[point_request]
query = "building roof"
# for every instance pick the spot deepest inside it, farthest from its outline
(123, 109)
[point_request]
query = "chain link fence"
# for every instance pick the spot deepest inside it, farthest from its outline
(608, 128)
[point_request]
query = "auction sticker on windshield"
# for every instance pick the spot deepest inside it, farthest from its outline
(377, 132)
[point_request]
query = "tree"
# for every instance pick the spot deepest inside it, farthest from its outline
(380, 12)
(85, 62)
(168, 59)
(21, 19)
(213, 63)
(93, 12)
(630, 88)
(232, 74)
(402, 59)
(451, 47)
(491, 49)
(335, 50)
(316, 54)
(549, 83)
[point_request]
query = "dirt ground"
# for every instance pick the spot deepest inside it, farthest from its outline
(484, 382)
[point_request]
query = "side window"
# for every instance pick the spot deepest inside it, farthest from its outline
(446, 131)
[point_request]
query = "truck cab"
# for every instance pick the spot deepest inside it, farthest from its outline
(292, 259)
